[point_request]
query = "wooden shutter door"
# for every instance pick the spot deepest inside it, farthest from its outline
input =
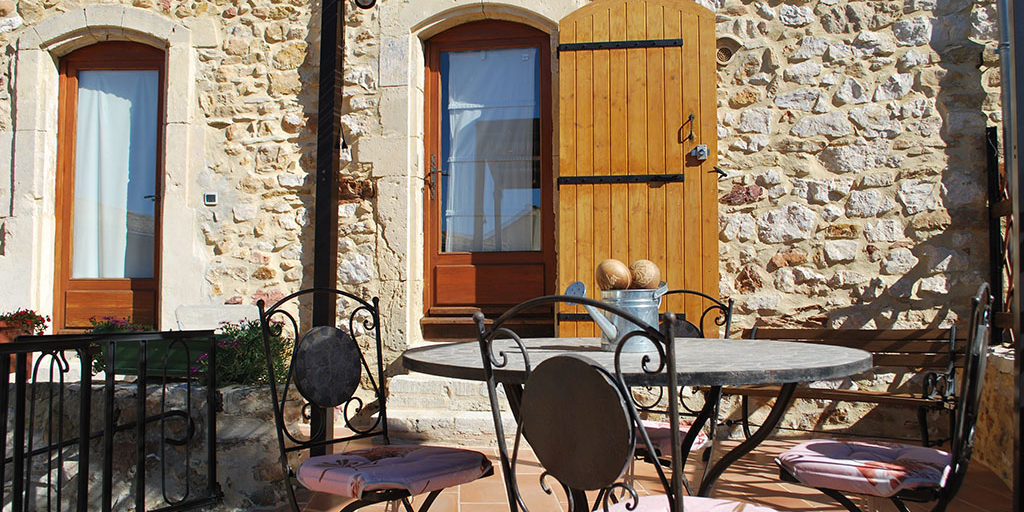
(624, 111)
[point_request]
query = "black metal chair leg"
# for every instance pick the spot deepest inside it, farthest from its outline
(843, 500)
(291, 496)
(774, 417)
(358, 504)
(922, 420)
(899, 504)
(745, 413)
(428, 501)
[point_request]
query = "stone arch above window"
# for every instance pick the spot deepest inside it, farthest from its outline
(75, 29)
(449, 18)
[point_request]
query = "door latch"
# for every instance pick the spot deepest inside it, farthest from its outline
(700, 152)
(429, 178)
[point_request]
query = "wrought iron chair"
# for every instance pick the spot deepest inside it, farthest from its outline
(579, 418)
(715, 315)
(326, 368)
(896, 471)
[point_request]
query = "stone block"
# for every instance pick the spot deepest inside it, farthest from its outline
(894, 87)
(35, 91)
(396, 116)
(803, 73)
(52, 29)
(787, 224)
(145, 22)
(913, 31)
(35, 156)
(181, 87)
(211, 316)
(801, 99)
(831, 125)
(868, 203)
(917, 196)
(841, 251)
(204, 32)
(101, 15)
(382, 151)
(394, 61)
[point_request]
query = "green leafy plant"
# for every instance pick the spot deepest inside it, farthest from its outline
(240, 357)
(25, 320)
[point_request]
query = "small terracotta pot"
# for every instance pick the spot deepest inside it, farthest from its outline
(7, 335)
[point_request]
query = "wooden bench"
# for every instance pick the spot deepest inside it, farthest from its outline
(935, 352)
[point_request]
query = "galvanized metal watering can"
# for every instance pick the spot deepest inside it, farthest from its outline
(641, 303)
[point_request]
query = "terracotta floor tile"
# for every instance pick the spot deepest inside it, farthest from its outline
(752, 479)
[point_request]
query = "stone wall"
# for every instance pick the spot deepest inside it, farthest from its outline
(854, 133)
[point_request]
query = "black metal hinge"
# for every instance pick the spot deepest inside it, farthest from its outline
(616, 45)
(621, 178)
(573, 317)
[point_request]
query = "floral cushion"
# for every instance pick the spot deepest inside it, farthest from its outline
(866, 467)
(659, 503)
(658, 431)
(417, 469)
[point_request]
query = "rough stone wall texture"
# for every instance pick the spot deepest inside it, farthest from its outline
(854, 133)
(995, 438)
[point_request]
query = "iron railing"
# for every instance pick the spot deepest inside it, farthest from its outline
(72, 441)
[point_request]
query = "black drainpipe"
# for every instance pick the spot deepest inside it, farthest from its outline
(328, 157)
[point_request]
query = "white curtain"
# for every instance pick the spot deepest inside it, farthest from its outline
(492, 107)
(115, 169)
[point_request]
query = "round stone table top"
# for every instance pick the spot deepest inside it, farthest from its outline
(699, 361)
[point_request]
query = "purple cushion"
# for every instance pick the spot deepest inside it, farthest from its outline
(659, 503)
(866, 467)
(417, 469)
(658, 431)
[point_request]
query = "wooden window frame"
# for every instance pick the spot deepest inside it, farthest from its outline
(114, 55)
(487, 35)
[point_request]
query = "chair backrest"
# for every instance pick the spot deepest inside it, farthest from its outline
(576, 414)
(715, 315)
(973, 378)
(326, 366)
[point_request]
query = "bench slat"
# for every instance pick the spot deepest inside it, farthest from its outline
(771, 333)
(849, 395)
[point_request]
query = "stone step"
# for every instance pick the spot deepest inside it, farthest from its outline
(465, 428)
(444, 411)
(419, 391)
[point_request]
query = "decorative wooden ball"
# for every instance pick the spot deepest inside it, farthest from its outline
(644, 274)
(612, 274)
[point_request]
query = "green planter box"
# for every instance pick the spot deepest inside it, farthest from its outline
(160, 355)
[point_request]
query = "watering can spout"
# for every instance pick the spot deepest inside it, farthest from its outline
(578, 289)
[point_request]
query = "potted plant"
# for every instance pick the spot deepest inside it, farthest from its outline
(240, 354)
(21, 322)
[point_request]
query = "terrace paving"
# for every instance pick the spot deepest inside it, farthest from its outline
(753, 479)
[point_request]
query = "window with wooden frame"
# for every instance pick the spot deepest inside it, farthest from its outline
(489, 218)
(109, 175)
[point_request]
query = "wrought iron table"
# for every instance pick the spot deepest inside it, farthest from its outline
(701, 362)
